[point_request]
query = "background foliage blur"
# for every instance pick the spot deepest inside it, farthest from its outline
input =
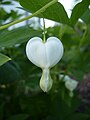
(20, 95)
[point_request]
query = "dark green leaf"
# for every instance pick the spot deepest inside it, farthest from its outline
(56, 12)
(6, 3)
(3, 14)
(86, 16)
(3, 59)
(1, 111)
(78, 11)
(86, 39)
(17, 36)
(18, 117)
(9, 73)
(78, 116)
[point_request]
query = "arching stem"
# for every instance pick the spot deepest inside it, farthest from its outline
(28, 17)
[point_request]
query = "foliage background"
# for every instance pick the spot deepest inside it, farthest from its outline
(20, 95)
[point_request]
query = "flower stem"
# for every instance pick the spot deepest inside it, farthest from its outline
(44, 31)
(28, 17)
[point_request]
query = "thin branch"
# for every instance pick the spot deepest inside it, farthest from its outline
(28, 17)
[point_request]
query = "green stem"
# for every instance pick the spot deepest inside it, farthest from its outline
(44, 31)
(28, 17)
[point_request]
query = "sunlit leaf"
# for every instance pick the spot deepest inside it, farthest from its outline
(56, 12)
(3, 59)
(78, 11)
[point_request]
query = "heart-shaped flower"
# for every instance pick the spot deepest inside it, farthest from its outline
(71, 85)
(44, 55)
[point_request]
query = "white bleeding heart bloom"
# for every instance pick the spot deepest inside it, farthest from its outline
(71, 85)
(44, 55)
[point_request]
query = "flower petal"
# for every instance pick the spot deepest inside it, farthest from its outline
(35, 51)
(44, 55)
(71, 84)
(46, 81)
(54, 51)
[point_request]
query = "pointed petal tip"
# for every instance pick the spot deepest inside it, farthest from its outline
(46, 81)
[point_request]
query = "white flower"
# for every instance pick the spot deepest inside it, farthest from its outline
(64, 77)
(70, 83)
(44, 55)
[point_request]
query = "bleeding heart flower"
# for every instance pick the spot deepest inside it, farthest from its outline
(44, 55)
(71, 85)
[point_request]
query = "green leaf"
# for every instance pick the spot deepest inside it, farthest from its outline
(55, 12)
(18, 117)
(86, 39)
(3, 59)
(17, 36)
(78, 116)
(1, 111)
(86, 16)
(6, 3)
(9, 73)
(78, 11)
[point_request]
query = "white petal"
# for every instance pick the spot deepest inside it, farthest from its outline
(65, 77)
(44, 55)
(54, 51)
(35, 51)
(46, 81)
(71, 84)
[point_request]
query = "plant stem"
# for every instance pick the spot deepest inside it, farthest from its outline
(44, 31)
(28, 17)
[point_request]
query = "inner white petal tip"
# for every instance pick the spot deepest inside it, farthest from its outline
(46, 81)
